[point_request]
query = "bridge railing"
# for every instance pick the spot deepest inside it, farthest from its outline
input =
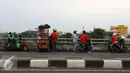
(68, 41)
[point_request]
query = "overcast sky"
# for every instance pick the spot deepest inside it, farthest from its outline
(65, 15)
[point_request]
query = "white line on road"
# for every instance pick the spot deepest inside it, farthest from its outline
(66, 70)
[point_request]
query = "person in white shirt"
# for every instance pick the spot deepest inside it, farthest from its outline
(75, 39)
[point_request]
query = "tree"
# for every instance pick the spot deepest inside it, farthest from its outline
(67, 35)
(89, 34)
(29, 33)
(98, 33)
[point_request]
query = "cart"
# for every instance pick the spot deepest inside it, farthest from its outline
(43, 37)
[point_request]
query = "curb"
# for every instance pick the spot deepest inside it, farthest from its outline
(72, 63)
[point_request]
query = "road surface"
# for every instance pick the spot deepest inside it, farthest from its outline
(66, 71)
(104, 55)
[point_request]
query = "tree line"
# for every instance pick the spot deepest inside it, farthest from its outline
(96, 33)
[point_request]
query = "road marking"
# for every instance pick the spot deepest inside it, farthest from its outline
(66, 70)
(8, 63)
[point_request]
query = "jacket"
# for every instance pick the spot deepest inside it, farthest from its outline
(54, 36)
(114, 39)
(84, 38)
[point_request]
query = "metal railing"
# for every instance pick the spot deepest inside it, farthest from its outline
(62, 40)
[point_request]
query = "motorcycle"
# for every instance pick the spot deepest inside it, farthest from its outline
(82, 47)
(22, 46)
(119, 47)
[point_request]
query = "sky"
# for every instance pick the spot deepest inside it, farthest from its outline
(63, 15)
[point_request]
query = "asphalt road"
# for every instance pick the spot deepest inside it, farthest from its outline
(66, 71)
(103, 55)
(63, 72)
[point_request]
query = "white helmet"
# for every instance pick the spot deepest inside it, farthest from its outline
(114, 33)
(54, 30)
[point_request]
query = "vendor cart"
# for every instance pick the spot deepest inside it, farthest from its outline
(43, 37)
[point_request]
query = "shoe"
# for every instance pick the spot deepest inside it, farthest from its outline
(89, 52)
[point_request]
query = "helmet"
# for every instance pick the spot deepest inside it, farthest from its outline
(114, 33)
(54, 30)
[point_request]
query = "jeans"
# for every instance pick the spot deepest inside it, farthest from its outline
(54, 45)
(75, 45)
(89, 47)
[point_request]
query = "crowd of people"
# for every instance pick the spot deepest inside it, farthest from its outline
(83, 38)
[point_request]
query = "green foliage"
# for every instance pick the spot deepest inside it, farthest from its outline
(67, 35)
(29, 34)
(89, 34)
(98, 33)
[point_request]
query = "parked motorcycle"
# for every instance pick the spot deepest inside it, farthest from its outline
(22, 46)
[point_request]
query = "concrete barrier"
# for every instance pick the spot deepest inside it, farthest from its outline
(73, 63)
(112, 64)
(39, 63)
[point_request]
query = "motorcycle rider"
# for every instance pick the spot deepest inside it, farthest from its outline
(115, 38)
(84, 40)
(10, 35)
(9, 39)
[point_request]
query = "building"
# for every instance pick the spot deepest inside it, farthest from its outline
(120, 29)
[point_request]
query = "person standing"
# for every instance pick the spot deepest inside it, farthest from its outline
(75, 39)
(54, 38)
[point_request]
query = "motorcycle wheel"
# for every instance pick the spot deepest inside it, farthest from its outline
(5, 47)
(25, 48)
(124, 50)
(115, 49)
(79, 49)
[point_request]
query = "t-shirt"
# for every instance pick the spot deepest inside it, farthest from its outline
(114, 39)
(54, 36)
(84, 38)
